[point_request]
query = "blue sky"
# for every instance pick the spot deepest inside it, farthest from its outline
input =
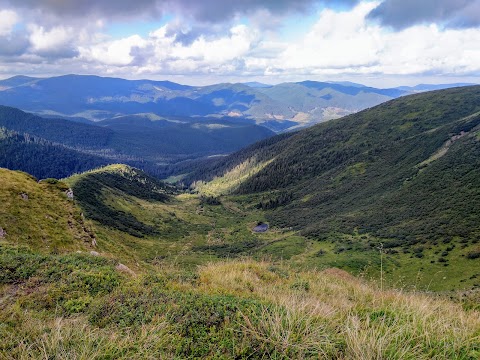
(375, 42)
(121, 29)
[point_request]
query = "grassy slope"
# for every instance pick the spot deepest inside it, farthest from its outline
(144, 227)
(95, 190)
(82, 308)
(75, 305)
(142, 231)
(46, 220)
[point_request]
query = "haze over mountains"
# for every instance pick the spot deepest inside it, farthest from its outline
(58, 147)
(277, 107)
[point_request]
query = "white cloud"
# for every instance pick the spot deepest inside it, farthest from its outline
(217, 51)
(54, 41)
(164, 54)
(116, 53)
(8, 19)
(337, 40)
(345, 42)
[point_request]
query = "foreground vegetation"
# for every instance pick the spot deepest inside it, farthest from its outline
(195, 284)
(80, 306)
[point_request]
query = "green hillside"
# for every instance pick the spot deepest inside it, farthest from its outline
(95, 190)
(40, 215)
(60, 300)
(403, 176)
(142, 221)
(370, 171)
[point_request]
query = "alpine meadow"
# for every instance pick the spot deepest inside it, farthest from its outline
(240, 180)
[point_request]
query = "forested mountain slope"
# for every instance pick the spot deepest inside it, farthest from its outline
(64, 147)
(42, 158)
(406, 171)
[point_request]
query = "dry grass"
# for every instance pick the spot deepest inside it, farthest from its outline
(63, 338)
(339, 316)
(270, 312)
(43, 219)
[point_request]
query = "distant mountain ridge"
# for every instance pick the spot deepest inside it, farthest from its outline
(57, 147)
(286, 105)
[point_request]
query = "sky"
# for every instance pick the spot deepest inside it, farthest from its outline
(199, 42)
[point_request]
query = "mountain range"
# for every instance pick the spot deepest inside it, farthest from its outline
(277, 107)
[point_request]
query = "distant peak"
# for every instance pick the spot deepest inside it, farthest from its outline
(255, 84)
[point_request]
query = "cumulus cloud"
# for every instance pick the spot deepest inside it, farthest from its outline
(186, 32)
(401, 14)
(220, 50)
(346, 42)
(14, 44)
(342, 39)
(340, 42)
(118, 52)
(160, 52)
(8, 19)
(11, 43)
(56, 42)
(337, 40)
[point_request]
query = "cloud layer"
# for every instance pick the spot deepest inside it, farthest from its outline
(243, 39)
(401, 14)
(205, 10)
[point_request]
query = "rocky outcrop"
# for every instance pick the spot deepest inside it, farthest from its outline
(69, 194)
(125, 269)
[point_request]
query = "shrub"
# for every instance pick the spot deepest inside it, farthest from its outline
(473, 255)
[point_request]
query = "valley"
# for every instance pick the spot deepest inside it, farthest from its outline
(194, 281)
(157, 146)
(373, 234)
